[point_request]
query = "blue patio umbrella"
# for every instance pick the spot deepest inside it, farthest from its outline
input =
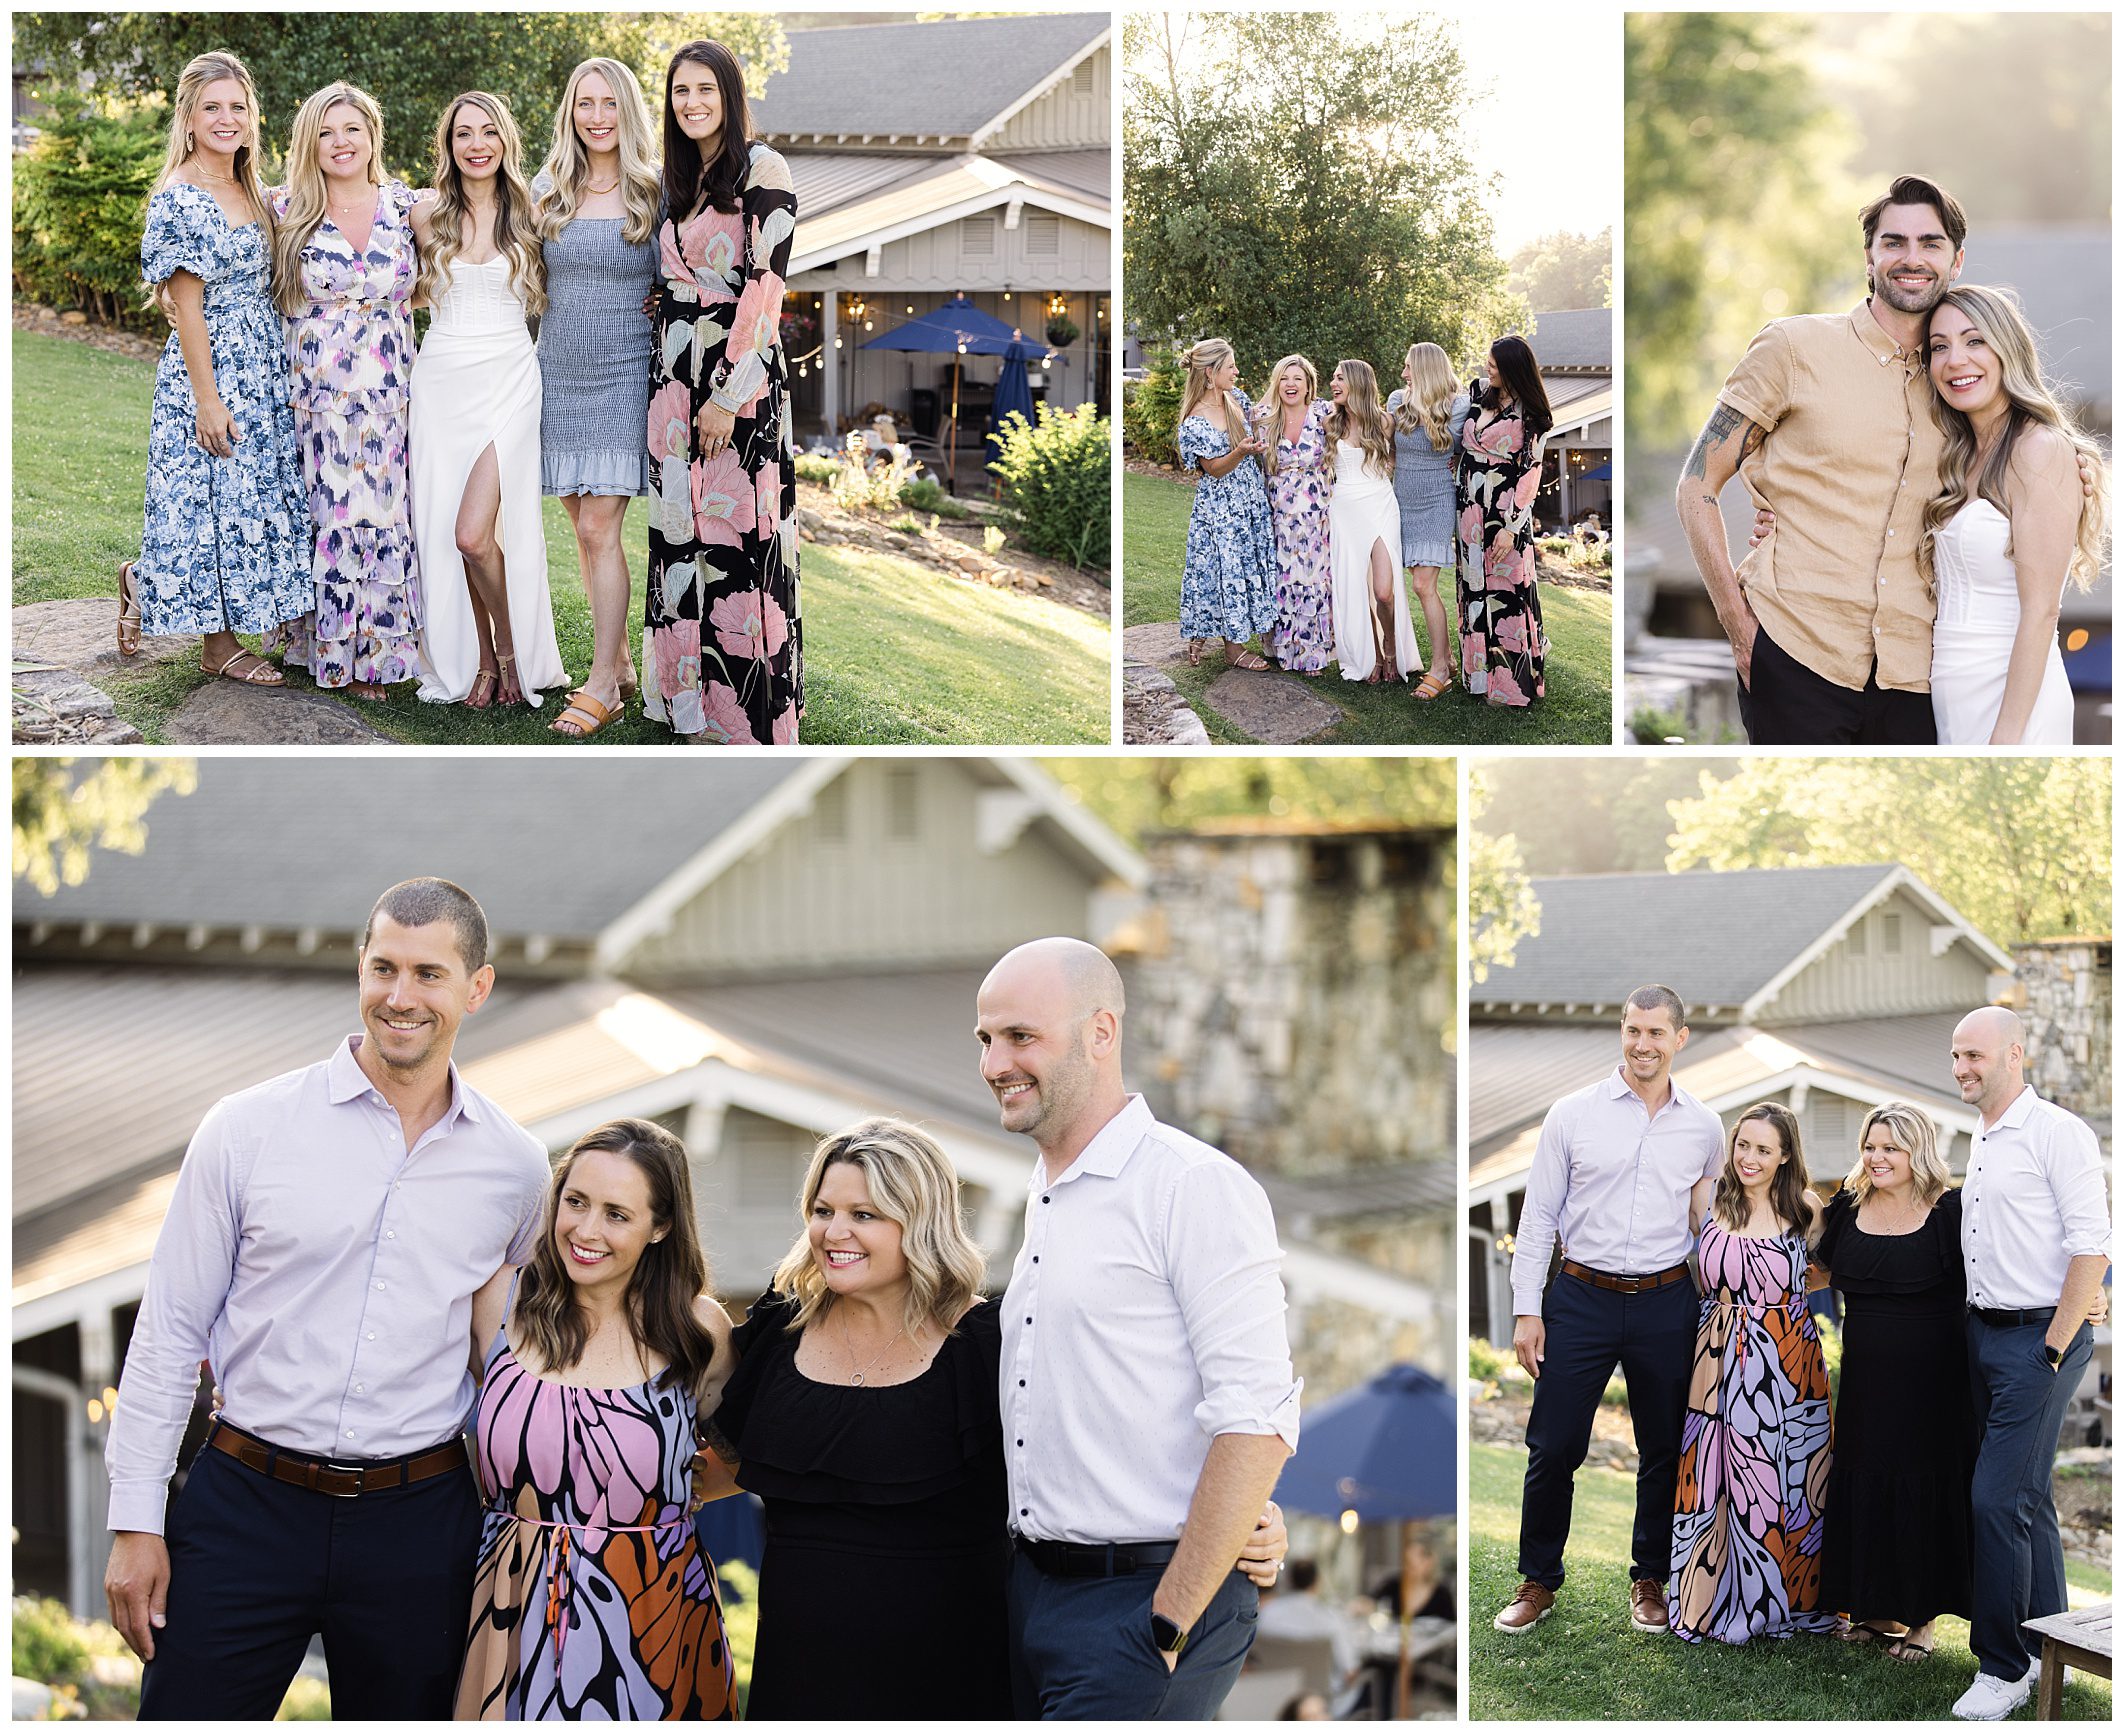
(1013, 396)
(957, 328)
(1389, 1450)
(1600, 472)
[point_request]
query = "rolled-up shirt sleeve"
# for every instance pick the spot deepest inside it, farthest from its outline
(1223, 1260)
(2073, 1164)
(1535, 1238)
(188, 1284)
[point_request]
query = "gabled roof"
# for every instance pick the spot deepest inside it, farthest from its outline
(939, 82)
(926, 192)
(1719, 939)
(1574, 337)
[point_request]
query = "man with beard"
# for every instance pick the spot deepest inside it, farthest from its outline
(1148, 1401)
(1828, 420)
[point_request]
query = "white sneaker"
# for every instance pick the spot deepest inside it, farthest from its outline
(1990, 1699)
(2034, 1675)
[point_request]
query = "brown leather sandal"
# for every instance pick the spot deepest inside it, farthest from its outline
(585, 714)
(128, 611)
(473, 700)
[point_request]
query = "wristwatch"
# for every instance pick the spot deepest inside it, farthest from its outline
(1169, 1637)
(2056, 1356)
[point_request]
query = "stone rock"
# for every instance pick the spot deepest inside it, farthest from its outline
(1153, 713)
(1271, 707)
(81, 634)
(56, 707)
(1158, 645)
(225, 713)
(31, 1701)
(73, 317)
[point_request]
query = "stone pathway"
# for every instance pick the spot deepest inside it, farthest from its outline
(1266, 706)
(67, 664)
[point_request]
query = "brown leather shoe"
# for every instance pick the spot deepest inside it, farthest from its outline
(1648, 1604)
(1529, 1607)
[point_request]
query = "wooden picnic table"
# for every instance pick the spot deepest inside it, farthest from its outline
(2078, 1639)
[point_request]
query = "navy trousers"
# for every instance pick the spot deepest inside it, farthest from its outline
(2020, 1561)
(1081, 1649)
(258, 1567)
(1652, 1336)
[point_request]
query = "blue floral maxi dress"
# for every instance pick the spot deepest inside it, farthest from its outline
(351, 349)
(1228, 587)
(724, 637)
(1303, 638)
(226, 544)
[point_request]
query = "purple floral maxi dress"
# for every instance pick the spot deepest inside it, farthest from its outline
(1303, 637)
(351, 352)
(1501, 644)
(724, 637)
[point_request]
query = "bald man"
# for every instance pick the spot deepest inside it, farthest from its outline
(1148, 1401)
(2035, 1245)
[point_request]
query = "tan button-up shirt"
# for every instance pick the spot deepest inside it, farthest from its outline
(1851, 457)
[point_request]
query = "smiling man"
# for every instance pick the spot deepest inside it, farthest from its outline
(1611, 1179)
(327, 1234)
(1828, 422)
(1148, 1401)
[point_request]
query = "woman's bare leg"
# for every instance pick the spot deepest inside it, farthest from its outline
(1425, 581)
(479, 546)
(1383, 572)
(600, 522)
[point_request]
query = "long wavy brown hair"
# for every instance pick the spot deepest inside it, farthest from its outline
(720, 180)
(1788, 1186)
(515, 223)
(1360, 419)
(671, 1276)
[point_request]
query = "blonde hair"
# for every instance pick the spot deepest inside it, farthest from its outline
(912, 1184)
(2031, 403)
(1358, 417)
(1430, 405)
(1270, 408)
(1210, 353)
(515, 230)
(1911, 1132)
(567, 165)
(199, 72)
(306, 183)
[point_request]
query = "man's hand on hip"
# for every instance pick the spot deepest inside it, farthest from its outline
(1530, 1337)
(137, 1584)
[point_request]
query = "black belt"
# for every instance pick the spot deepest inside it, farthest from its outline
(1626, 1284)
(2007, 1320)
(335, 1479)
(1065, 1558)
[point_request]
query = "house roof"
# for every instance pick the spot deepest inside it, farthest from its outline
(932, 190)
(1726, 939)
(2061, 272)
(956, 79)
(1574, 337)
(1579, 400)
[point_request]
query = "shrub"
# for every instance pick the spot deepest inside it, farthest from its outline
(741, 1621)
(1486, 1361)
(816, 466)
(1057, 479)
(1150, 413)
(80, 205)
(49, 1646)
(926, 493)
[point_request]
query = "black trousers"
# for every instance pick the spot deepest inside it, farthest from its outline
(258, 1567)
(1652, 1336)
(1786, 703)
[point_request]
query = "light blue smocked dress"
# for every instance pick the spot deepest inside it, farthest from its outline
(593, 353)
(1228, 587)
(226, 543)
(1423, 487)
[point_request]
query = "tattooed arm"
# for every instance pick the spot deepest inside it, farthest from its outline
(1727, 437)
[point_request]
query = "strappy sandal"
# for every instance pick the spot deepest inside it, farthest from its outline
(1431, 686)
(1195, 647)
(128, 612)
(586, 714)
(473, 700)
(1241, 657)
(507, 664)
(246, 668)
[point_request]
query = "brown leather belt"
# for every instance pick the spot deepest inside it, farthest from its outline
(1626, 1284)
(334, 1479)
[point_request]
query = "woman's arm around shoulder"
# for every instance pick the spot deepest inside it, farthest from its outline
(1700, 1203)
(712, 1318)
(1813, 1206)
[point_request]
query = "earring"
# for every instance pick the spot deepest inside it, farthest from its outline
(188, 144)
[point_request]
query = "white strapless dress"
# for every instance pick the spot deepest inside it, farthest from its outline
(1972, 636)
(1363, 509)
(476, 384)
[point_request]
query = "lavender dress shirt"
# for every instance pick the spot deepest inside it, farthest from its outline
(326, 1273)
(1614, 1182)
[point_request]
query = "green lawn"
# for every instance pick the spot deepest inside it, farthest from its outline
(1586, 1662)
(895, 652)
(1576, 711)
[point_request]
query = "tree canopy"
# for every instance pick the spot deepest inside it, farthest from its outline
(1502, 906)
(1565, 270)
(1298, 188)
(61, 818)
(1137, 796)
(411, 62)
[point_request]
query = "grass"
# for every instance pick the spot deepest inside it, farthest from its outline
(1586, 1662)
(895, 652)
(1576, 711)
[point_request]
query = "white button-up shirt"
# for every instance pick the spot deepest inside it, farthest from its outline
(325, 1271)
(2032, 1201)
(1145, 1317)
(1614, 1180)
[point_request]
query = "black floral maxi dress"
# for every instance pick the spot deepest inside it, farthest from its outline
(723, 644)
(1497, 472)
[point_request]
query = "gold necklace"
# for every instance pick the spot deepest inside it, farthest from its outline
(588, 187)
(871, 1364)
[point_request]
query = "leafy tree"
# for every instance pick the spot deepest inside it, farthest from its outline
(1300, 188)
(1736, 211)
(1137, 796)
(1593, 815)
(2019, 845)
(1565, 270)
(411, 62)
(79, 193)
(61, 817)
(1502, 906)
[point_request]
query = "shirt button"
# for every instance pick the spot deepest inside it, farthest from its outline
(372, 1335)
(379, 1287)
(1021, 1383)
(1022, 1511)
(350, 1432)
(1047, 1200)
(1036, 1257)
(361, 1389)
(1891, 532)
(1028, 1320)
(390, 1234)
